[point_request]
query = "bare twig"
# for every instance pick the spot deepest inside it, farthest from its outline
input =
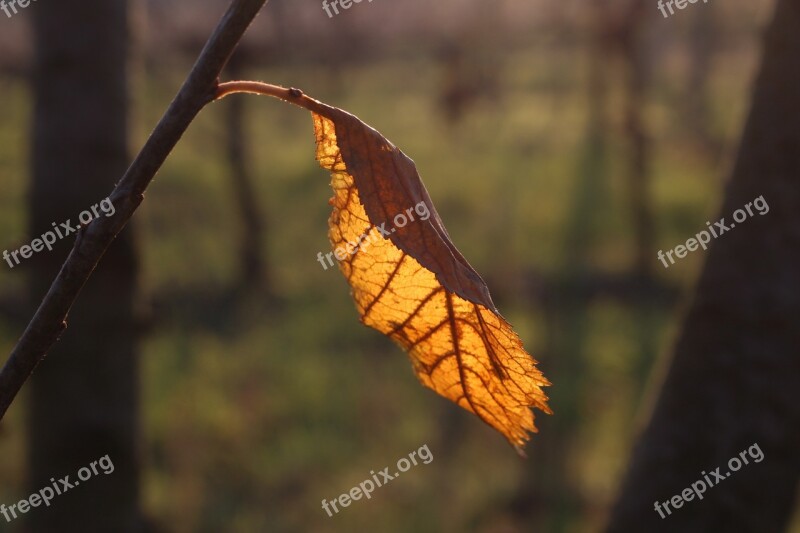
(198, 90)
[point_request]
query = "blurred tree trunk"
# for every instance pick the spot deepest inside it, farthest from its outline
(633, 49)
(735, 374)
(84, 395)
(254, 275)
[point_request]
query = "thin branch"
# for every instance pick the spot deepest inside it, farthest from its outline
(198, 90)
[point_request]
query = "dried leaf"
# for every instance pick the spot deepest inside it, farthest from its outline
(412, 284)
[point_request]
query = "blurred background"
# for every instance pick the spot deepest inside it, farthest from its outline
(563, 143)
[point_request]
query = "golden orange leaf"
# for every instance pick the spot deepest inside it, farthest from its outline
(410, 282)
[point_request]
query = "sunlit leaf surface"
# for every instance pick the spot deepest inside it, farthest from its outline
(416, 288)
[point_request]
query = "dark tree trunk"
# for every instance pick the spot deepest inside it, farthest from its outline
(84, 395)
(735, 374)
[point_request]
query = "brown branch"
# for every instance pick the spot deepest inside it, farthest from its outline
(198, 90)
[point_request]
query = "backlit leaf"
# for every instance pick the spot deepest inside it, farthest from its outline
(410, 282)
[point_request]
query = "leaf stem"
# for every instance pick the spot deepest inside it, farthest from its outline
(290, 95)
